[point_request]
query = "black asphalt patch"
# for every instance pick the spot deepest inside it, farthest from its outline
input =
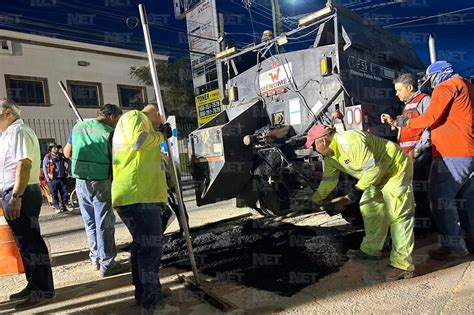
(279, 257)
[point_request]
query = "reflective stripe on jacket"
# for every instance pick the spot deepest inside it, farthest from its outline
(139, 175)
(370, 159)
(409, 137)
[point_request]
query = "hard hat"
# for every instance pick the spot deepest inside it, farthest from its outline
(316, 132)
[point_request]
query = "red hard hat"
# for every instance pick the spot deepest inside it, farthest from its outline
(316, 132)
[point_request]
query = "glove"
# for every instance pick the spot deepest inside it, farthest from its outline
(355, 194)
(316, 198)
(401, 121)
(165, 129)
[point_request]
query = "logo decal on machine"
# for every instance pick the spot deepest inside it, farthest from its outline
(276, 79)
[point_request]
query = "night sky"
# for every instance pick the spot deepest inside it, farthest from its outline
(103, 22)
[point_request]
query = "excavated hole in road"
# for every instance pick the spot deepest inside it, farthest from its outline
(274, 256)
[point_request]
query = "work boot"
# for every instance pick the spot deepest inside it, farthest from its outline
(115, 269)
(161, 309)
(95, 265)
(447, 254)
(34, 302)
(23, 294)
(394, 274)
(360, 255)
(165, 292)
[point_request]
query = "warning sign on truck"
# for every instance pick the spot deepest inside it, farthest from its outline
(208, 105)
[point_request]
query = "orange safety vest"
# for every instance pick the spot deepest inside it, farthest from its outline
(409, 137)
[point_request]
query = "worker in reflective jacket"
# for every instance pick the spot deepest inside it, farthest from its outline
(384, 191)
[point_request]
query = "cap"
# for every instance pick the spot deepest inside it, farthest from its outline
(438, 66)
(52, 145)
(316, 132)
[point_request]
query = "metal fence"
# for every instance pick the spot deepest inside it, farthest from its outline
(58, 130)
(184, 128)
(51, 130)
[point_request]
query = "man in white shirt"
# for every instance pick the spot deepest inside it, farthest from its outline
(21, 203)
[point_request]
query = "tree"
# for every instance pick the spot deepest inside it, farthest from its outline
(176, 83)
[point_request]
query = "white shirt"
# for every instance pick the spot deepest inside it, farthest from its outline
(17, 143)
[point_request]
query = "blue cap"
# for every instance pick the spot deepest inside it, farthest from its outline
(439, 72)
(438, 66)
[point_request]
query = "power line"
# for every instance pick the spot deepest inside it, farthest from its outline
(436, 23)
(266, 15)
(251, 19)
(356, 4)
(379, 5)
(121, 17)
(306, 34)
(248, 7)
(100, 41)
(153, 25)
(88, 31)
(430, 17)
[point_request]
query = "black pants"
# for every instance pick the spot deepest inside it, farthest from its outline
(59, 185)
(421, 171)
(33, 250)
(143, 221)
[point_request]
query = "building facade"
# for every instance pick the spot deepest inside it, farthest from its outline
(32, 65)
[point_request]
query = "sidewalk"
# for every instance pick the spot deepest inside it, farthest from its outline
(78, 287)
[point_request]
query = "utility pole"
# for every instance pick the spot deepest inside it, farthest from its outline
(276, 16)
(221, 38)
(222, 46)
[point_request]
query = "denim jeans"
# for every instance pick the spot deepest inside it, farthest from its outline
(95, 202)
(143, 220)
(452, 200)
(59, 185)
(33, 250)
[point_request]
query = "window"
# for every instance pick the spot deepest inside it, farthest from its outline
(26, 90)
(131, 96)
(86, 94)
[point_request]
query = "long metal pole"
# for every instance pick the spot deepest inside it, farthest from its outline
(432, 47)
(71, 103)
(156, 86)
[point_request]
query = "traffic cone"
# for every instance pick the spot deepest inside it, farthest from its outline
(10, 259)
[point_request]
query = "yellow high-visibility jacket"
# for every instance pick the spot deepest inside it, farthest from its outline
(138, 173)
(370, 159)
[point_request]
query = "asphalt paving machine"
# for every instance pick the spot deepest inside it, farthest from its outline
(252, 151)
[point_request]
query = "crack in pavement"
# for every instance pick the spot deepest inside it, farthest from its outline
(453, 291)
